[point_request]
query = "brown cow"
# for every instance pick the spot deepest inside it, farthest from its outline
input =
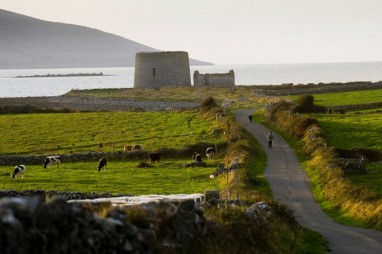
(137, 147)
(154, 157)
(127, 148)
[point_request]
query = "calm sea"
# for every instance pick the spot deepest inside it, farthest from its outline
(269, 74)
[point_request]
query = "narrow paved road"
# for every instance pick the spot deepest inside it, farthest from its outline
(291, 186)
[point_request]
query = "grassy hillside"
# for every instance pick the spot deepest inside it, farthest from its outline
(25, 39)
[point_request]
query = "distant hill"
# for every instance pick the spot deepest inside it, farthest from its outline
(27, 42)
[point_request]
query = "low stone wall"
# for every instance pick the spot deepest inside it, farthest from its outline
(352, 166)
(39, 159)
(93, 156)
(67, 195)
(300, 89)
(363, 106)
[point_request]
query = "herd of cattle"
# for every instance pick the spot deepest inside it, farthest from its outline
(153, 156)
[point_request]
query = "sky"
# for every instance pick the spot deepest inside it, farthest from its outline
(229, 32)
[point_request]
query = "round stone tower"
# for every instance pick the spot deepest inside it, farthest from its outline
(157, 69)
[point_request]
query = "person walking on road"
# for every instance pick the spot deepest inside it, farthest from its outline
(250, 118)
(270, 139)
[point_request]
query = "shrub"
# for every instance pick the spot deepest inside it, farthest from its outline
(274, 108)
(208, 103)
(300, 125)
(305, 104)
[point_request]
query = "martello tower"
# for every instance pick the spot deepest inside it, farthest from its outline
(157, 69)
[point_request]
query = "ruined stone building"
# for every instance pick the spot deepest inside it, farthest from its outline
(214, 79)
(158, 69)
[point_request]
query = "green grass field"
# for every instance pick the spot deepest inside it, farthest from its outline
(124, 177)
(356, 130)
(102, 131)
(80, 132)
(346, 98)
(352, 130)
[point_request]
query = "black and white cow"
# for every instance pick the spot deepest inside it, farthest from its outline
(52, 160)
(18, 171)
(209, 152)
(102, 164)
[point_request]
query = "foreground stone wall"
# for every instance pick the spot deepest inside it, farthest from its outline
(36, 224)
(29, 225)
(158, 69)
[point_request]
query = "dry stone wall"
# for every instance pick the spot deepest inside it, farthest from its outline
(29, 225)
(91, 156)
(291, 89)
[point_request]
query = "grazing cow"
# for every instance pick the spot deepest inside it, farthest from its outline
(52, 160)
(154, 157)
(209, 152)
(137, 147)
(18, 171)
(102, 164)
(197, 157)
(127, 148)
